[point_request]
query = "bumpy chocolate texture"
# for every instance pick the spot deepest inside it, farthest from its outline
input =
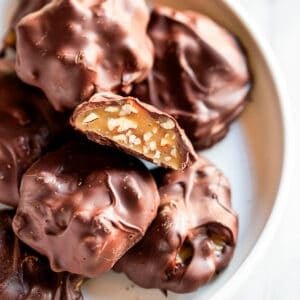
(193, 235)
(72, 48)
(24, 274)
(136, 127)
(84, 206)
(200, 74)
(28, 125)
(24, 8)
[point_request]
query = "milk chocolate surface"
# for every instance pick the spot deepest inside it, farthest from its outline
(28, 126)
(84, 206)
(200, 74)
(73, 48)
(24, 274)
(193, 236)
(135, 127)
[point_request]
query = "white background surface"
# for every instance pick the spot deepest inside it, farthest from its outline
(277, 277)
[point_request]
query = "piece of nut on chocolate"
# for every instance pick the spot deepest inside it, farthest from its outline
(135, 127)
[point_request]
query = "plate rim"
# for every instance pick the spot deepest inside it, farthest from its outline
(230, 287)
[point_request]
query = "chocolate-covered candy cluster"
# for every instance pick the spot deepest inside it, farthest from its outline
(151, 83)
(135, 127)
(72, 48)
(25, 274)
(84, 206)
(28, 127)
(200, 74)
(193, 235)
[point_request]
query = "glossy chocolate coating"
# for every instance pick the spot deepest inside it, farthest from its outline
(194, 219)
(200, 74)
(84, 206)
(28, 126)
(72, 48)
(25, 274)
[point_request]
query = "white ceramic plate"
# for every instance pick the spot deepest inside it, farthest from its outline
(253, 156)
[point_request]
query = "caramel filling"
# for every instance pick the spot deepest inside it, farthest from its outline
(130, 125)
(219, 244)
(182, 260)
(184, 255)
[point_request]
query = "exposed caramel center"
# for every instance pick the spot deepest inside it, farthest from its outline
(219, 243)
(184, 255)
(132, 126)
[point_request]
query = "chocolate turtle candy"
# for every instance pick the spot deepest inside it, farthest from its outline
(71, 48)
(28, 127)
(193, 236)
(83, 206)
(25, 274)
(135, 127)
(200, 74)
